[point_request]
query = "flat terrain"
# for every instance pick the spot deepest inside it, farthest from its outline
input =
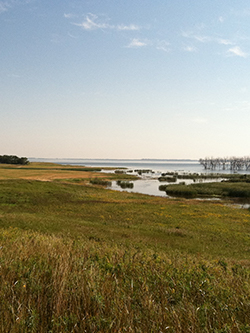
(76, 257)
(45, 172)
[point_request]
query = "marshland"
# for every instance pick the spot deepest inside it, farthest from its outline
(76, 256)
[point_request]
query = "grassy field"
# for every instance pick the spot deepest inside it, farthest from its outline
(76, 257)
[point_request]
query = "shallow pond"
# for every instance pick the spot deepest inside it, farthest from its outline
(150, 186)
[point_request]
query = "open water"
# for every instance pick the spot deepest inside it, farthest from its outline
(148, 184)
(155, 165)
(158, 166)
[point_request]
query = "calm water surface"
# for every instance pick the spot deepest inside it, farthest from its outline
(155, 165)
(148, 184)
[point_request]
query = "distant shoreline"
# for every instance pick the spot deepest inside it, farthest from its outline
(114, 159)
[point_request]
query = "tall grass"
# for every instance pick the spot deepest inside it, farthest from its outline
(51, 284)
(223, 189)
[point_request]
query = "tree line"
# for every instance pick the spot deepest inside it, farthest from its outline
(12, 159)
(232, 163)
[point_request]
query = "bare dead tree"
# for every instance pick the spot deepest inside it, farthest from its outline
(231, 163)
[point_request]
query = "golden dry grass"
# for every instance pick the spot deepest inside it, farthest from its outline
(44, 172)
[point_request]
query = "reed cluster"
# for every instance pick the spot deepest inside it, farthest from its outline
(54, 284)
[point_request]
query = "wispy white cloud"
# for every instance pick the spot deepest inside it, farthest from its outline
(5, 5)
(127, 27)
(189, 48)
(225, 41)
(198, 37)
(221, 19)
(8, 4)
(69, 15)
(135, 43)
(202, 39)
(72, 36)
(237, 51)
(234, 50)
(163, 45)
(187, 34)
(93, 22)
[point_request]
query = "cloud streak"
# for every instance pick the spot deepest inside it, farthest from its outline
(234, 50)
(5, 5)
(92, 22)
(136, 43)
(128, 27)
(8, 4)
(163, 46)
(237, 51)
(189, 48)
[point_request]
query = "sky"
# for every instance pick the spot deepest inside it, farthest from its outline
(125, 79)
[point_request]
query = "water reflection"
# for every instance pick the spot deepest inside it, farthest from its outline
(144, 186)
(151, 186)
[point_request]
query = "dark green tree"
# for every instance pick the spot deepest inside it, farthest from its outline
(12, 159)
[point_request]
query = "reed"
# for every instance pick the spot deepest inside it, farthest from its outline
(53, 284)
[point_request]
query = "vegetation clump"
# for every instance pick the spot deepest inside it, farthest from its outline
(97, 181)
(168, 179)
(141, 171)
(124, 184)
(12, 159)
(120, 171)
(218, 189)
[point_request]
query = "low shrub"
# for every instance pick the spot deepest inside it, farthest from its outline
(97, 181)
(181, 190)
(124, 184)
(167, 179)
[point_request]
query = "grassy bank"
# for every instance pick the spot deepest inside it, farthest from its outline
(232, 189)
(80, 258)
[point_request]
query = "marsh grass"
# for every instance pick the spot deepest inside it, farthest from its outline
(219, 189)
(50, 171)
(80, 258)
(101, 182)
(124, 184)
(76, 211)
(54, 284)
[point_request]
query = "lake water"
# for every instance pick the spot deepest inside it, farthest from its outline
(148, 184)
(158, 166)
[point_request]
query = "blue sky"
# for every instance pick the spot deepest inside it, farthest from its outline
(125, 79)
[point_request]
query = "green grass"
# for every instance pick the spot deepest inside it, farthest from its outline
(224, 189)
(76, 211)
(81, 258)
